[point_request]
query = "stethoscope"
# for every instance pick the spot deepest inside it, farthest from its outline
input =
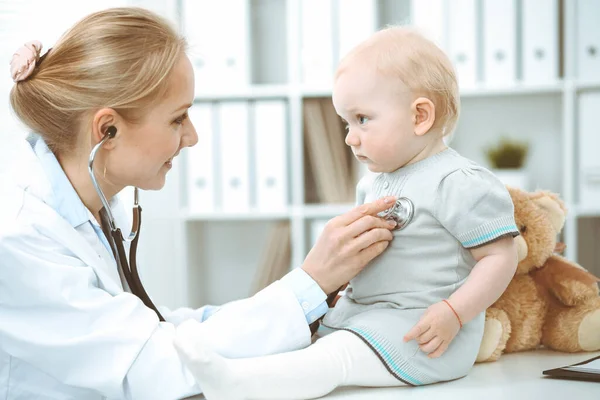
(402, 212)
(115, 236)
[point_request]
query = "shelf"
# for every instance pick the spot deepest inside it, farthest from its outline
(486, 90)
(587, 85)
(325, 211)
(310, 91)
(255, 92)
(308, 211)
(483, 90)
(251, 215)
(585, 210)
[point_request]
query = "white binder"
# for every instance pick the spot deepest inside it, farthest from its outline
(357, 21)
(317, 42)
(270, 133)
(234, 45)
(223, 63)
(588, 39)
(499, 41)
(462, 40)
(540, 40)
(234, 156)
(430, 18)
(589, 143)
(200, 161)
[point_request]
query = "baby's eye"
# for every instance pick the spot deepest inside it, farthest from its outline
(362, 119)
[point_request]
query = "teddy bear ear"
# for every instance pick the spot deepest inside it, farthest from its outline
(553, 205)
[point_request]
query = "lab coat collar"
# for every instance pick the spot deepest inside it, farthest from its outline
(62, 197)
(39, 187)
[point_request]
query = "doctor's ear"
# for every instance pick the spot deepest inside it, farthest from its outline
(105, 123)
(423, 114)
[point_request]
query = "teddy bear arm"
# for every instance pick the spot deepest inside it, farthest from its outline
(569, 283)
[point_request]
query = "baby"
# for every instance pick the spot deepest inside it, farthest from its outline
(415, 315)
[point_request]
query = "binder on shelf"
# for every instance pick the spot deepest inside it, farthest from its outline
(276, 257)
(462, 41)
(589, 142)
(340, 152)
(201, 192)
(539, 40)
(270, 133)
(234, 156)
(357, 20)
(499, 41)
(588, 40)
(316, 30)
(328, 156)
(430, 18)
(224, 63)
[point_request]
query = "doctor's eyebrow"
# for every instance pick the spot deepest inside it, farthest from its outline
(183, 107)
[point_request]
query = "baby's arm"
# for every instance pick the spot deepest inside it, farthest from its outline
(476, 208)
(496, 265)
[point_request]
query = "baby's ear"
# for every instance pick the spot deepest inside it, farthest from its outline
(423, 112)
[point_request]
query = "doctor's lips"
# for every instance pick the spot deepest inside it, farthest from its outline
(169, 162)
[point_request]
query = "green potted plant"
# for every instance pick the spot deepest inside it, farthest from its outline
(507, 160)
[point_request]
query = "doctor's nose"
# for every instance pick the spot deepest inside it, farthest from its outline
(190, 136)
(352, 139)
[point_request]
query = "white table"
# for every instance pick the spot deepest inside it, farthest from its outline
(515, 376)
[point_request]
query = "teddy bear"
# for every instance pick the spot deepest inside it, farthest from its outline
(550, 301)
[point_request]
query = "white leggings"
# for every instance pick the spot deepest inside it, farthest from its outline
(338, 359)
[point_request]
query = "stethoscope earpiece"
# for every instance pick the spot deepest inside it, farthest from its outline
(111, 131)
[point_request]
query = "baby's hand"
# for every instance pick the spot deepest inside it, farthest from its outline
(436, 329)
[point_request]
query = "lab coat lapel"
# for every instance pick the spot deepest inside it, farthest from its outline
(63, 232)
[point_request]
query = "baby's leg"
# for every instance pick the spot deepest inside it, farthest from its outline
(338, 359)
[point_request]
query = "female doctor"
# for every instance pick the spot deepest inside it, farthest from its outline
(69, 326)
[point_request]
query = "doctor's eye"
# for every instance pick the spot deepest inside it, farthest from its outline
(179, 120)
(362, 119)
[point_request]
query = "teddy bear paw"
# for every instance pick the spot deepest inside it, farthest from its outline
(589, 332)
(491, 346)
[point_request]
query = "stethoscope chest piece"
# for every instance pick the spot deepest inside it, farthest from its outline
(402, 212)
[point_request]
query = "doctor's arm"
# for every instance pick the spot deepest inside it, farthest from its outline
(261, 325)
(56, 318)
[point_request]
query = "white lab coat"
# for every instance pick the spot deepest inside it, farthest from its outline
(69, 331)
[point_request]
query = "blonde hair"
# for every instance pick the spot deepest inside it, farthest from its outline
(405, 54)
(118, 58)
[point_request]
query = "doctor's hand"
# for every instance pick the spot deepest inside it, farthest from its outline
(435, 330)
(348, 243)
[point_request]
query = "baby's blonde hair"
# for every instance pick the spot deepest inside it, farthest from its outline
(403, 53)
(118, 58)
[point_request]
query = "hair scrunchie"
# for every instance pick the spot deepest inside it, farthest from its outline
(24, 60)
